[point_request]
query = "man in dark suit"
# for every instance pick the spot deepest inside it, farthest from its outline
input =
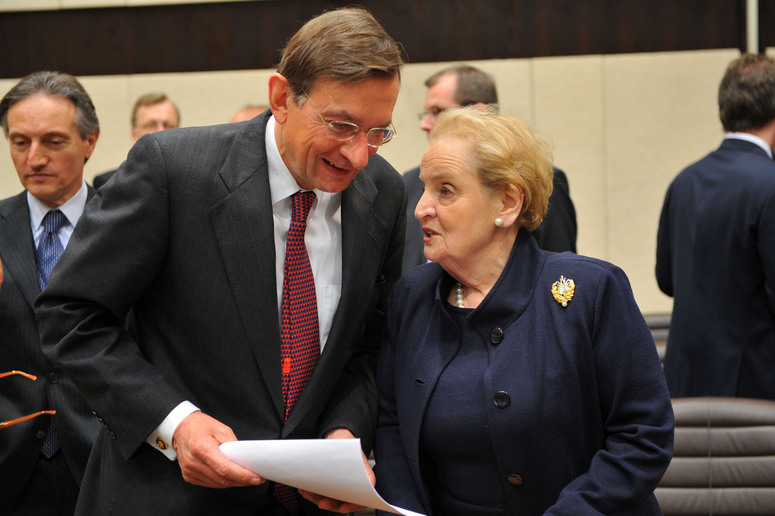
(716, 249)
(152, 112)
(188, 242)
(464, 85)
(52, 128)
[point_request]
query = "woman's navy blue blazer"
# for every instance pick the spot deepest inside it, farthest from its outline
(577, 405)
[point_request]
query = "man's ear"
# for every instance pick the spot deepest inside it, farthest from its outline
(279, 95)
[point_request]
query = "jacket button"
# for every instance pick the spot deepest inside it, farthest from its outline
(502, 399)
(496, 335)
(515, 480)
(53, 377)
(40, 435)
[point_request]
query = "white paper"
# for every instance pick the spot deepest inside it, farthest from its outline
(329, 467)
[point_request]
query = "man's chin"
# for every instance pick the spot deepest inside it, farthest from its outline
(334, 183)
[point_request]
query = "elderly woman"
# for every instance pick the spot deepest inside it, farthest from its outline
(513, 380)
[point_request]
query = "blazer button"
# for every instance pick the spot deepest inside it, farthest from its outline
(502, 399)
(515, 480)
(40, 435)
(496, 335)
(53, 377)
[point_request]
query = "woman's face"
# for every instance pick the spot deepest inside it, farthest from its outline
(456, 212)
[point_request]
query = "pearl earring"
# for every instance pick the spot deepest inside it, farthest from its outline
(499, 222)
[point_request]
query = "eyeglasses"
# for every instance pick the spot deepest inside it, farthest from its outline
(12, 422)
(344, 131)
(433, 113)
(436, 111)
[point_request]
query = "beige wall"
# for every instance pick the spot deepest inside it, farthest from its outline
(622, 127)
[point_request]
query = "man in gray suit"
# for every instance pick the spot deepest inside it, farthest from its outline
(188, 243)
(52, 128)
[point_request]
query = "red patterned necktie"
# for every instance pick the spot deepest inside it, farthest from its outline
(300, 330)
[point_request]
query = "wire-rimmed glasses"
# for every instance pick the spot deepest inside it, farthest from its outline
(343, 131)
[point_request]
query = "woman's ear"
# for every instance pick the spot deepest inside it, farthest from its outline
(279, 95)
(512, 199)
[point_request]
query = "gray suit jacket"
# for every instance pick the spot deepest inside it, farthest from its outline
(181, 240)
(20, 350)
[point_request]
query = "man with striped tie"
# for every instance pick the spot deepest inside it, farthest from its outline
(50, 123)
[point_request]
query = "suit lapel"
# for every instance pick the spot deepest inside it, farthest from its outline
(18, 248)
(243, 227)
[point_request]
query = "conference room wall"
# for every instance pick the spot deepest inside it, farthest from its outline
(621, 127)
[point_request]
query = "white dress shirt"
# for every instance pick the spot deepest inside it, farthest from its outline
(72, 209)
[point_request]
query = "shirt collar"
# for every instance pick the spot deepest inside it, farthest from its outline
(751, 138)
(72, 208)
(281, 182)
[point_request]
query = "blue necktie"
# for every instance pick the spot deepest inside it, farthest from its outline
(50, 247)
(48, 252)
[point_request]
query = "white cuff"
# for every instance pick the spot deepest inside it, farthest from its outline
(161, 437)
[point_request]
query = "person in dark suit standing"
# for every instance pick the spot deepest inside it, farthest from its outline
(152, 112)
(716, 249)
(464, 85)
(52, 129)
(513, 380)
(199, 240)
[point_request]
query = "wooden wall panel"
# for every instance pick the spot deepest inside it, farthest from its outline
(248, 35)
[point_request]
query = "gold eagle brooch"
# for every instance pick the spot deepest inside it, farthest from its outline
(563, 290)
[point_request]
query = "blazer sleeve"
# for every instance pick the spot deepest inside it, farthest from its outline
(99, 277)
(394, 477)
(635, 405)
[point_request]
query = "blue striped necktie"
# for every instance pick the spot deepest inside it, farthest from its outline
(48, 252)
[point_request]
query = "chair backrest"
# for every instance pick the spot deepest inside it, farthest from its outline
(659, 324)
(723, 460)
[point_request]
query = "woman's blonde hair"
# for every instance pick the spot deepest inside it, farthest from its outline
(505, 153)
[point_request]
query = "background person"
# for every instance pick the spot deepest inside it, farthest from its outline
(464, 85)
(152, 112)
(52, 127)
(716, 249)
(512, 380)
(248, 112)
(189, 239)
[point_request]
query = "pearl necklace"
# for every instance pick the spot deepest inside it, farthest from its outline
(459, 294)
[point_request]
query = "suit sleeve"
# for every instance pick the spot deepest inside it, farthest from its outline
(766, 238)
(99, 277)
(664, 266)
(557, 231)
(354, 401)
